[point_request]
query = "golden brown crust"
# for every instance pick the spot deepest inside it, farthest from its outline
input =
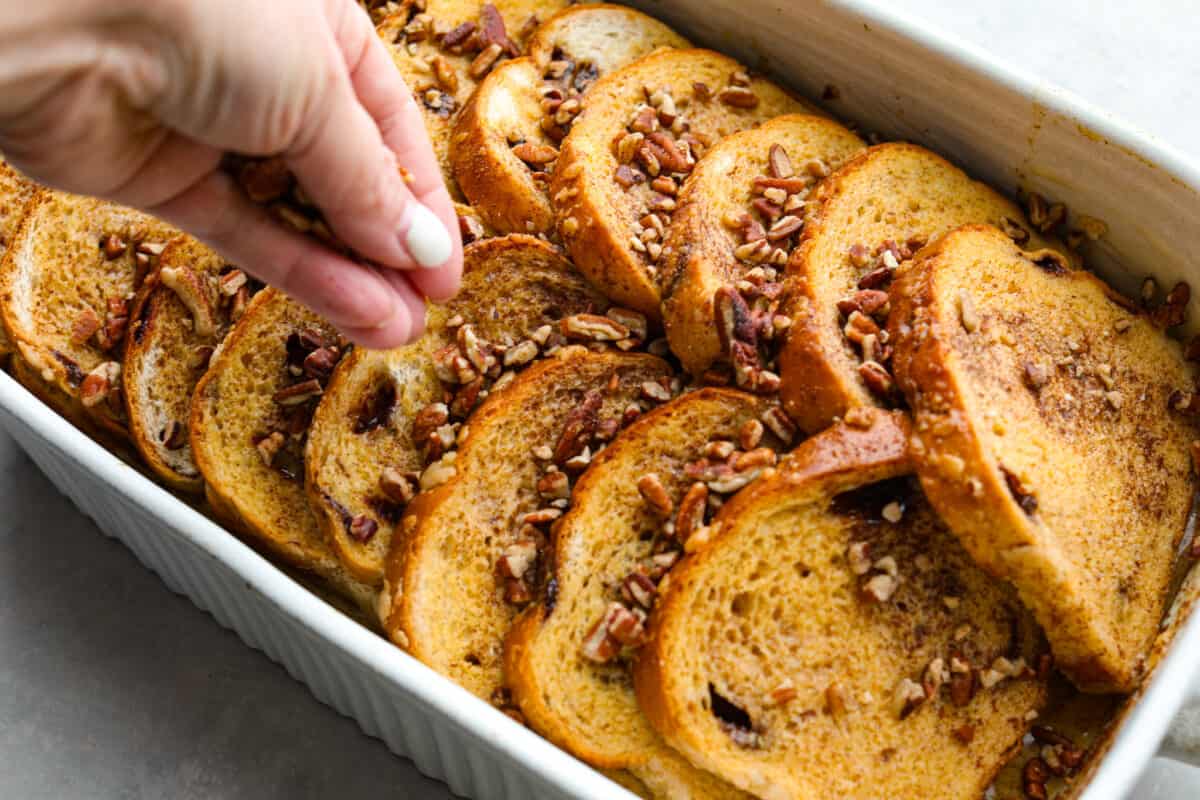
(1046, 441)
(504, 117)
(236, 408)
(893, 192)
(15, 193)
(512, 286)
(721, 189)
(595, 216)
(760, 690)
(583, 706)
(442, 601)
(56, 271)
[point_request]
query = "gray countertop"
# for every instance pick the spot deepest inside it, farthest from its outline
(113, 687)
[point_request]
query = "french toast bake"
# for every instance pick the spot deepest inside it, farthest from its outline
(67, 282)
(249, 419)
(830, 638)
(1053, 433)
(631, 515)
(387, 416)
(176, 325)
(505, 142)
(740, 214)
(584, 494)
(640, 133)
(861, 223)
(443, 48)
(470, 553)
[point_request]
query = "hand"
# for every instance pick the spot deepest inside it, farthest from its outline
(137, 101)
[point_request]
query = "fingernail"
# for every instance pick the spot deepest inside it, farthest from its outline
(427, 239)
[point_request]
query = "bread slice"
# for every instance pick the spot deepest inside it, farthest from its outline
(177, 322)
(15, 193)
(370, 437)
(639, 134)
(611, 544)
(724, 210)
(66, 285)
(506, 140)
(834, 640)
(1048, 442)
(468, 557)
(250, 414)
(864, 220)
(443, 48)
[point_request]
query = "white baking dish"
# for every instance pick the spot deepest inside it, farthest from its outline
(892, 77)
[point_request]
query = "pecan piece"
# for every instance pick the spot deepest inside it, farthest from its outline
(99, 384)
(580, 425)
(655, 494)
(691, 511)
(738, 97)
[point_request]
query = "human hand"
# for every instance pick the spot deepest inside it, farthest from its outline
(138, 100)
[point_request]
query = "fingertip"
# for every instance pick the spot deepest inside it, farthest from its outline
(426, 237)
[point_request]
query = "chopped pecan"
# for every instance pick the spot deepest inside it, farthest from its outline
(778, 163)
(99, 384)
(113, 246)
(908, 698)
(780, 424)
(738, 97)
(876, 377)
(299, 393)
(638, 588)
(554, 485)
(85, 326)
(362, 528)
(865, 301)
(592, 327)
(655, 494)
(690, 516)
(516, 559)
(397, 486)
(537, 154)
(580, 425)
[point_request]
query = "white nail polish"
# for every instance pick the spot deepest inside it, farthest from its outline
(427, 239)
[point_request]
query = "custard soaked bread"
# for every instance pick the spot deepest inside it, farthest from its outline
(506, 140)
(15, 193)
(443, 48)
(639, 135)
(1049, 438)
(249, 418)
(631, 514)
(740, 214)
(66, 286)
(861, 223)
(387, 415)
(834, 640)
(470, 553)
(176, 325)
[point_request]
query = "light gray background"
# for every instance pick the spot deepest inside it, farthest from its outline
(112, 687)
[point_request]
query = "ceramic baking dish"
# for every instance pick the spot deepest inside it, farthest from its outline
(886, 74)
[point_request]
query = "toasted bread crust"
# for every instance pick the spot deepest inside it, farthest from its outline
(914, 194)
(594, 215)
(167, 351)
(15, 193)
(442, 90)
(1054, 394)
(702, 242)
(54, 271)
(586, 708)
(787, 536)
(442, 600)
(233, 409)
(512, 285)
(583, 41)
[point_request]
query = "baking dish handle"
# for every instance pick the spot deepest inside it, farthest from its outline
(1182, 742)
